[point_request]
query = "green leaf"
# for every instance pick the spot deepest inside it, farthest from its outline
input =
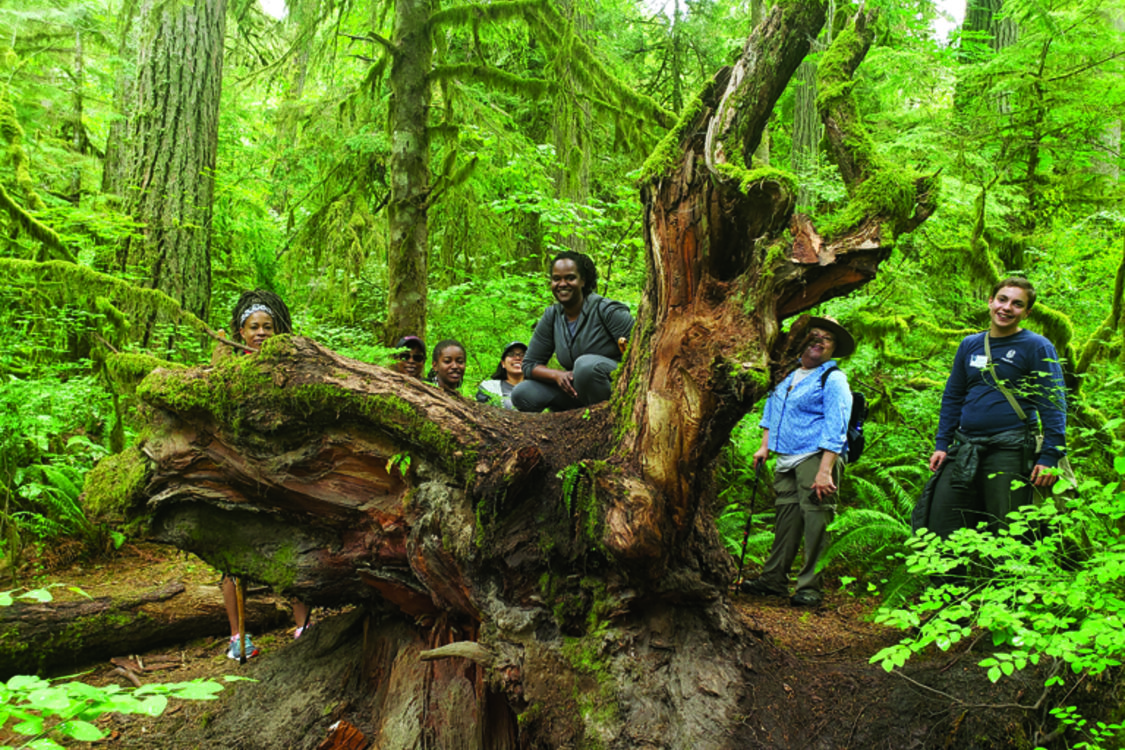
(994, 674)
(49, 699)
(32, 725)
(26, 682)
(37, 595)
(83, 731)
(44, 743)
(154, 705)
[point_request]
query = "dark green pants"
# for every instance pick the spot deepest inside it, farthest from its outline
(800, 517)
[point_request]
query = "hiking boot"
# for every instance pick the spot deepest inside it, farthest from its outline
(758, 587)
(807, 598)
(234, 651)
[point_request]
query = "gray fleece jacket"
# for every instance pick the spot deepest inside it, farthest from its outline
(600, 324)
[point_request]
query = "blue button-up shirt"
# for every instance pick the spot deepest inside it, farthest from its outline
(807, 418)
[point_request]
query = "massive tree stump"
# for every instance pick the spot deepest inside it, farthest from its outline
(563, 571)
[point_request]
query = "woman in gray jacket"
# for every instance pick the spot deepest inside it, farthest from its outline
(581, 330)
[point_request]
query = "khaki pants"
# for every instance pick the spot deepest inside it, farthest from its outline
(799, 514)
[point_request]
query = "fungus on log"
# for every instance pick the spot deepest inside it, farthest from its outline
(578, 550)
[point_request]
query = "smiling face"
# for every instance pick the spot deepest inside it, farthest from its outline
(513, 365)
(450, 367)
(820, 348)
(257, 327)
(1006, 310)
(409, 361)
(566, 284)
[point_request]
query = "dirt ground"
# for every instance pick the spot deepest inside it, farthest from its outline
(836, 698)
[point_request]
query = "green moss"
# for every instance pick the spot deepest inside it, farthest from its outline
(668, 153)
(240, 386)
(889, 192)
(598, 708)
(129, 368)
(278, 570)
(115, 481)
(751, 179)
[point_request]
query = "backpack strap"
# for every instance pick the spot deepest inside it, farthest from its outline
(1000, 383)
(824, 375)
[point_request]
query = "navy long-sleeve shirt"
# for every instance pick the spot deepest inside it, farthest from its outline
(1029, 367)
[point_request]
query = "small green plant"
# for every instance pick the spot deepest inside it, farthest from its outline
(400, 461)
(46, 712)
(872, 535)
(1047, 586)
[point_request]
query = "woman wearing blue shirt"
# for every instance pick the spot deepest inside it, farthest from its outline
(805, 423)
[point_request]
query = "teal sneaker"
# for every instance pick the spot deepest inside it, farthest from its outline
(234, 651)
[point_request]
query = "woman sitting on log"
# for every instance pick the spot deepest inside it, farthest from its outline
(257, 316)
(584, 331)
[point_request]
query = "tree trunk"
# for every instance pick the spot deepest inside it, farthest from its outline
(72, 635)
(407, 254)
(172, 140)
(569, 561)
(78, 134)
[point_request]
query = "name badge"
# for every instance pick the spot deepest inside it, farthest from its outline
(978, 361)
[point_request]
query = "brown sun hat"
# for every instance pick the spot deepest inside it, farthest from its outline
(845, 344)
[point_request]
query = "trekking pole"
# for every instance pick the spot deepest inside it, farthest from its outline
(749, 520)
(240, 598)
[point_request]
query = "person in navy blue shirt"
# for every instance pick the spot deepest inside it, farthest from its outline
(982, 444)
(805, 423)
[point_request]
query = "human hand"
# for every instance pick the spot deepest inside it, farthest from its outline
(936, 460)
(823, 485)
(565, 381)
(1043, 476)
(760, 456)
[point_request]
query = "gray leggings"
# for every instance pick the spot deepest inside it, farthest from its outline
(591, 380)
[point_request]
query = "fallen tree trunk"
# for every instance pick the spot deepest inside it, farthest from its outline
(65, 636)
(573, 556)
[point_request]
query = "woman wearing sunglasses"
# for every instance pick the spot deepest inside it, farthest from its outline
(410, 361)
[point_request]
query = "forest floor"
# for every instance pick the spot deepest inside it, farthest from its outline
(837, 638)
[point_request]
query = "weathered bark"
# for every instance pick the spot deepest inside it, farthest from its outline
(577, 551)
(64, 636)
(172, 141)
(408, 245)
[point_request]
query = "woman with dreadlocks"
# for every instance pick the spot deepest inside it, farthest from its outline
(582, 331)
(257, 316)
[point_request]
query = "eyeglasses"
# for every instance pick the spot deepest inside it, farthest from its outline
(407, 356)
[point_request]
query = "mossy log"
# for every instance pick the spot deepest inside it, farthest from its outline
(66, 636)
(574, 556)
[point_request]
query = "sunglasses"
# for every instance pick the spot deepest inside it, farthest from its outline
(407, 356)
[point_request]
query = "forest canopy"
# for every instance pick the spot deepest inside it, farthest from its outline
(403, 168)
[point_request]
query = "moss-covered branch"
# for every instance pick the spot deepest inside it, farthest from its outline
(1113, 324)
(465, 14)
(80, 281)
(494, 77)
(35, 229)
(899, 197)
(771, 55)
(580, 62)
